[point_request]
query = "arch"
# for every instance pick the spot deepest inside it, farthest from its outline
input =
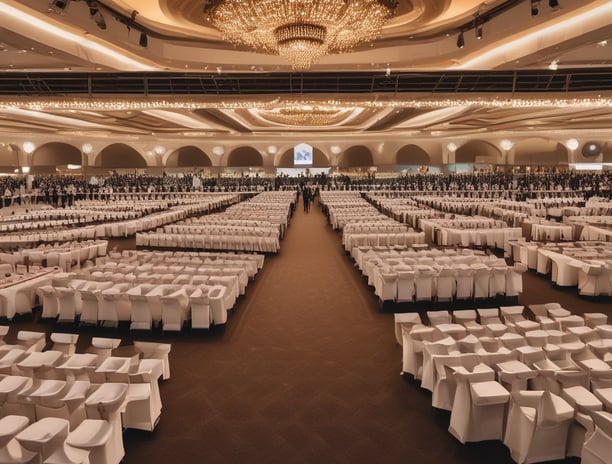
(56, 154)
(188, 156)
(412, 154)
(356, 156)
(607, 152)
(319, 159)
(244, 157)
(120, 155)
(476, 151)
(539, 151)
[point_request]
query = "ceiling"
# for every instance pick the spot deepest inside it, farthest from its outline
(63, 76)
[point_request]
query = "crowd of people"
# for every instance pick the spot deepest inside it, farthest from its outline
(64, 190)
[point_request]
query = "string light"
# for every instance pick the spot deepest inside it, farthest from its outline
(195, 103)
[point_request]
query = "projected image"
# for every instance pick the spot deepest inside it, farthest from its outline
(302, 155)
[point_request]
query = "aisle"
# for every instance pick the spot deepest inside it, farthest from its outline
(306, 371)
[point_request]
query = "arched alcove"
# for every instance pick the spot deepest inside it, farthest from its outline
(319, 160)
(56, 154)
(412, 154)
(120, 155)
(188, 156)
(477, 151)
(244, 157)
(356, 156)
(538, 151)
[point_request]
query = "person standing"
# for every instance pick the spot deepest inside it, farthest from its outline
(306, 199)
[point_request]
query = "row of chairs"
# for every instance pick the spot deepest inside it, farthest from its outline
(542, 386)
(422, 276)
(59, 406)
(143, 305)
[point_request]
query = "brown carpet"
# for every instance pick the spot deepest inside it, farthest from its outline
(306, 370)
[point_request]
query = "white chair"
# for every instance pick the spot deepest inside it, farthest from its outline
(595, 319)
(405, 322)
(432, 350)
(106, 403)
(514, 374)
(465, 282)
(584, 403)
(596, 449)
(91, 302)
(489, 316)
(48, 298)
(514, 279)
(443, 392)
(478, 407)
(10, 450)
(424, 283)
(4, 329)
(69, 404)
(154, 350)
(69, 304)
(174, 310)
(412, 348)
(482, 276)
(537, 427)
(31, 340)
(10, 386)
(93, 437)
(438, 317)
(46, 437)
(9, 358)
(103, 347)
(405, 285)
(200, 309)
(446, 283)
(218, 311)
(64, 342)
(114, 306)
(140, 312)
(143, 408)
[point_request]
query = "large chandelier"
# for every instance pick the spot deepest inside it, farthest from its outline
(307, 115)
(301, 31)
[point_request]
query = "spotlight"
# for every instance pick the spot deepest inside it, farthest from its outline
(60, 4)
(479, 32)
(99, 19)
(553, 3)
(93, 8)
(144, 41)
(534, 8)
(460, 40)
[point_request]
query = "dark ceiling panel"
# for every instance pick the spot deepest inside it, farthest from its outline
(54, 84)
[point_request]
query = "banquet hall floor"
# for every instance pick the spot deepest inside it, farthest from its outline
(306, 370)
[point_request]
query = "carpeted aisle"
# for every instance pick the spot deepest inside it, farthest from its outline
(307, 370)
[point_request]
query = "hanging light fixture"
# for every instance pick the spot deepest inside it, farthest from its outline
(301, 31)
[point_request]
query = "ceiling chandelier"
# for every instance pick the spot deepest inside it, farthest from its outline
(301, 31)
(307, 115)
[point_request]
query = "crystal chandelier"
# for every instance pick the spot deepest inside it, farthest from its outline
(301, 31)
(307, 115)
